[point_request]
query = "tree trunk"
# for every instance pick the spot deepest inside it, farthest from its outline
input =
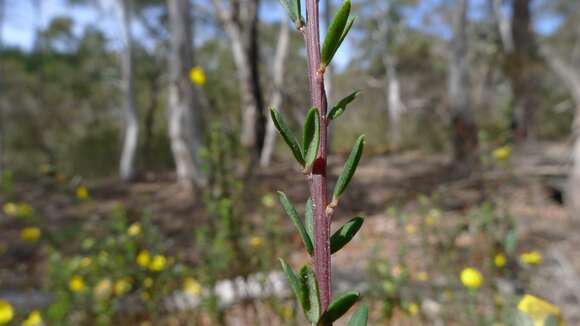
(465, 142)
(131, 131)
(242, 31)
(522, 69)
(184, 119)
(570, 77)
(278, 78)
(395, 104)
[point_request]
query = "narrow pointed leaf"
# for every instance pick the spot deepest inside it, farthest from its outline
(339, 307)
(309, 218)
(360, 316)
(311, 136)
(335, 32)
(292, 8)
(291, 211)
(340, 107)
(346, 232)
(349, 167)
(294, 281)
(287, 135)
(347, 28)
(310, 287)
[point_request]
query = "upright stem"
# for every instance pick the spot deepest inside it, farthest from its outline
(317, 177)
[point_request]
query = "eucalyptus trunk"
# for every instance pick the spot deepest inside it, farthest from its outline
(464, 129)
(278, 78)
(127, 169)
(184, 111)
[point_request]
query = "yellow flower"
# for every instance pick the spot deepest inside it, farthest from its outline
(122, 286)
(471, 278)
(287, 312)
(6, 312)
(82, 193)
(268, 201)
(413, 309)
(103, 289)
(158, 263)
(532, 258)
(256, 242)
(134, 230)
(76, 284)
(500, 260)
(410, 228)
(539, 310)
(143, 258)
(422, 276)
(503, 153)
(433, 217)
(10, 209)
(197, 75)
(192, 286)
(85, 262)
(34, 319)
(30, 234)
(148, 282)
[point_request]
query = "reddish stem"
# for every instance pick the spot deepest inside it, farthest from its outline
(318, 182)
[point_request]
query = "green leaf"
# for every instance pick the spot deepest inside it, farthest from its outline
(334, 35)
(291, 211)
(311, 137)
(349, 24)
(294, 281)
(292, 8)
(360, 316)
(287, 134)
(339, 307)
(310, 287)
(340, 107)
(309, 218)
(346, 232)
(349, 167)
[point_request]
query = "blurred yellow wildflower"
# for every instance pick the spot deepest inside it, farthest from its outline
(10, 209)
(268, 200)
(410, 228)
(76, 283)
(24, 209)
(471, 278)
(539, 310)
(30, 234)
(148, 282)
(103, 289)
(122, 286)
(158, 263)
(413, 309)
(499, 260)
(502, 153)
(256, 242)
(145, 296)
(6, 312)
(532, 258)
(85, 262)
(197, 75)
(33, 319)
(134, 229)
(192, 286)
(287, 312)
(143, 258)
(422, 276)
(433, 217)
(82, 193)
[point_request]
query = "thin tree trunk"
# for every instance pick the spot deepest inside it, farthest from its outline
(184, 119)
(131, 131)
(278, 79)
(465, 142)
(242, 31)
(395, 104)
(570, 77)
(522, 68)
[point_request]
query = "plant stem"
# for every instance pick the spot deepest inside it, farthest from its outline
(317, 177)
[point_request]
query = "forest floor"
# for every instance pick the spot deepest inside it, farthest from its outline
(524, 187)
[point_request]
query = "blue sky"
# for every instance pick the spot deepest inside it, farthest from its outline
(21, 18)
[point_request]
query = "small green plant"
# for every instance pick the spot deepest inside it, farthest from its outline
(312, 286)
